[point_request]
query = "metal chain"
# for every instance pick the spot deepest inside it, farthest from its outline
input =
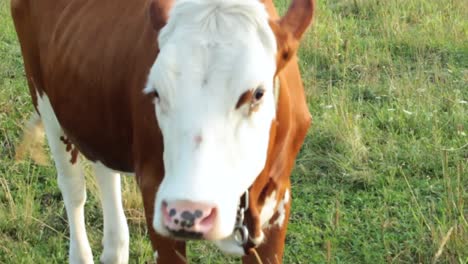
(241, 233)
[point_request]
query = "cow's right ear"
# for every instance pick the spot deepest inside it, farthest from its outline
(159, 13)
(290, 28)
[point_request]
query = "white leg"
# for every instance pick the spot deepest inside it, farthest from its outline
(116, 236)
(71, 182)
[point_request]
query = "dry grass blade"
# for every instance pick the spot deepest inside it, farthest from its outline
(9, 197)
(442, 245)
(32, 142)
(254, 251)
(181, 256)
(49, 227)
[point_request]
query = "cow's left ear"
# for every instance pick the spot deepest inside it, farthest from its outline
(290, 28)
(159, 13)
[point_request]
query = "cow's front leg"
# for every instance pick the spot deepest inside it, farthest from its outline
(271, 251)
(116, 236)
(166, 250)
(71, 182)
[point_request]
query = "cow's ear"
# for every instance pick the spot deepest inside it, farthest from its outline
(159, 13)
(290, 28)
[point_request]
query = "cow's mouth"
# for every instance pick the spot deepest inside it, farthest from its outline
(186, 235)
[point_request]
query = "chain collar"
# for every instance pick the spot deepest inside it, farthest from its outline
(241, 232)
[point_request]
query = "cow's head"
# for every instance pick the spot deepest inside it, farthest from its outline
(214, 96)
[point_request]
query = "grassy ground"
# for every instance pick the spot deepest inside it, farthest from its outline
(382, 177)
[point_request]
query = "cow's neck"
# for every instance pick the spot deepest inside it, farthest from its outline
(273, 181)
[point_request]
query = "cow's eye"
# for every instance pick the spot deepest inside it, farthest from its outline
(258, 93)
(251, 97)
(155, 95)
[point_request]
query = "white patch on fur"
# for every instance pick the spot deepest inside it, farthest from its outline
(71, 182)
(258, 240)
(211, 53)
(277, 90)
(268, 209)
(282, 210)
(229, 246)
(155, 256)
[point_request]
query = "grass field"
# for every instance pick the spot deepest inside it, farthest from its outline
(382, 176)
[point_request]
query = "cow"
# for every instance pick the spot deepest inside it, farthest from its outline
(201, 100)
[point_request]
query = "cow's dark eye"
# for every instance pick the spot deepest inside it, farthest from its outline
(258, 93)
(251, 97)
(155, 95)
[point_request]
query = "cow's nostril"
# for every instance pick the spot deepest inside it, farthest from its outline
(187, 215)
(172, 212)
(198, 213)
(209, 220)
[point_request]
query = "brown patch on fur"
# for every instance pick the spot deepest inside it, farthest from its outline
(244, 99)
(67, 142)
(70, 148)
(275, 217)
(74, 155)
(198, 140)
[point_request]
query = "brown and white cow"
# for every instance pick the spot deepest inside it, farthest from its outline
(201, 99)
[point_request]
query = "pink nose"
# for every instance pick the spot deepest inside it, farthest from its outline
(187, 219)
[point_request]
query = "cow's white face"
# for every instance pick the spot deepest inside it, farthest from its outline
(215, 103)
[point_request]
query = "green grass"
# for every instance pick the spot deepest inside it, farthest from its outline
(382, 176)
